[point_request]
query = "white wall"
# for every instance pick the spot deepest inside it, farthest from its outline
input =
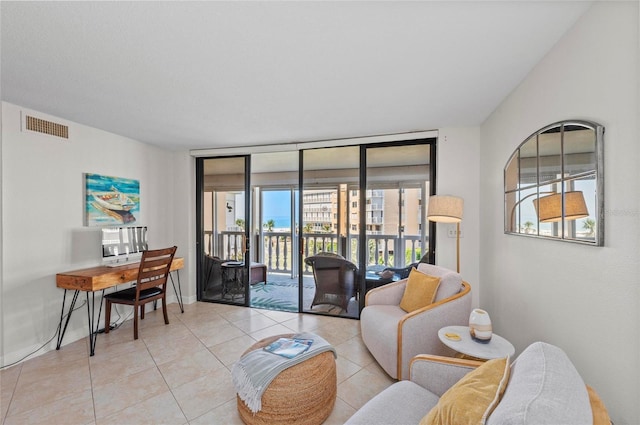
(457, 167)
(42, 219)
(584, 299)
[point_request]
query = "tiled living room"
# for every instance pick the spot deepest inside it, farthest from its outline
(146, 90)
(185, 381)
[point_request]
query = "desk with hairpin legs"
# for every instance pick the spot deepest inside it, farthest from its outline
(96, 279)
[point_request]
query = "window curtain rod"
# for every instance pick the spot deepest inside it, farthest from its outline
(296, 146)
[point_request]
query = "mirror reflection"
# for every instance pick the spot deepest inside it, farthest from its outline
(553, 184)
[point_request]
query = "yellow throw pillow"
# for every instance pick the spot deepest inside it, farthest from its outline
(420, 291)
(472, 399)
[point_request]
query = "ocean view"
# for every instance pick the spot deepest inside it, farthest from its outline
(281, 222)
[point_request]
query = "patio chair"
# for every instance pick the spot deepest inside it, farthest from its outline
(335, 279)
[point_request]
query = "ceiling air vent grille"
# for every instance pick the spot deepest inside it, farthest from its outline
(47, 127)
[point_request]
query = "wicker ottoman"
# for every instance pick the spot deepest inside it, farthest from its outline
(302, 394)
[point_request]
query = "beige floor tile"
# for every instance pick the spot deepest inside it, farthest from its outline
(374, 367)
(345, 369)
(361, 387)
(175, 329)
(233, 315)
(116, 343)
(304, 323)
(279, 316)
(254, 323)
(190, 308)
(336, 333)
(42, 369)
(119, 395)
(49, 385)
(222, 308)
(152, 319)
(226, 414)
(175, 373)
(341, 412)
(230, 351)
(204, 323)
(198, 397)
(8, 381)
(222, 333)
(189, 367)
(78, 350)
(163, 351)
(355, 351)
(174, 308)
(161, 409)
(9, 376)
(207, 309)
(276, 329)
(105, 370)
(74, 409)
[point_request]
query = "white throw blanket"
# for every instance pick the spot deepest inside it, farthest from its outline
(253, 373)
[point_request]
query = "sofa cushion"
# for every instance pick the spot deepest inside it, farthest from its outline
(544, 388)
(404, 402)
(419, 292)
(472, 398)
(450, 281)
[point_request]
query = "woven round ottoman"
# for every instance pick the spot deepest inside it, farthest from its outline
(302, 394)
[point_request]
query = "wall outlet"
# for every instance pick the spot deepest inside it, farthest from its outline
(452, 232)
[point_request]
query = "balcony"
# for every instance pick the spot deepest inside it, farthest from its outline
(277, 248)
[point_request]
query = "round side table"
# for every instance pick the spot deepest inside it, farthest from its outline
(496, 348)
(232, 285)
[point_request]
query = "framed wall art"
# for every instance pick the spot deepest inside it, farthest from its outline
(111, 200)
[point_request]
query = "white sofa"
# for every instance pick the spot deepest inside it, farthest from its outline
(543, 388)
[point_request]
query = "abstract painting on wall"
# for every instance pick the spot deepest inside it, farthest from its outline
(111, 200)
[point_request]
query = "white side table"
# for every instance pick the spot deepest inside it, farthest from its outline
(498, 347)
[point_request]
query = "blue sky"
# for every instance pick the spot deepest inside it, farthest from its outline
(277, 204)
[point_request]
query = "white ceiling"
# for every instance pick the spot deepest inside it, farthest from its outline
(192, 75)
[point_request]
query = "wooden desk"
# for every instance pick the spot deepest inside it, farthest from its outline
(99, 278)
(103, 277)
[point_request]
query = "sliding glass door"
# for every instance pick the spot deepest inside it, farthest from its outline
(274, 186)
(397, 235)
(313, 230)
(330, 269)
(224, 244)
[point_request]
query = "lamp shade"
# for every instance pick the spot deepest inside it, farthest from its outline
(549, 208)
(445, 209)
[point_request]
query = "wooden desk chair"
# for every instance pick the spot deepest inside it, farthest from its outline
(151, 285)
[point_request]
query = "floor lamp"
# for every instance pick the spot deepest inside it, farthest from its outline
(447, 209)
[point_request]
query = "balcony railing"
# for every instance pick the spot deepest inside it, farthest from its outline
(277, 248)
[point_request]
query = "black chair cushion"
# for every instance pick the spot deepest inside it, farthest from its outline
(130, 294)
(402, 272)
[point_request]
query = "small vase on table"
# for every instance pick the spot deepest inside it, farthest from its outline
(480, 326)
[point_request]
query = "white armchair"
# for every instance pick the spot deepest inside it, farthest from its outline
(394, 336)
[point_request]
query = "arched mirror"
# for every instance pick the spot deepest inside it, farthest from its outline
(553, 184)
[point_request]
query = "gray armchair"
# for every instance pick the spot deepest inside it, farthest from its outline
(335, 278)
(394, 336)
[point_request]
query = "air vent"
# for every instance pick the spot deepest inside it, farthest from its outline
(46, 127)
